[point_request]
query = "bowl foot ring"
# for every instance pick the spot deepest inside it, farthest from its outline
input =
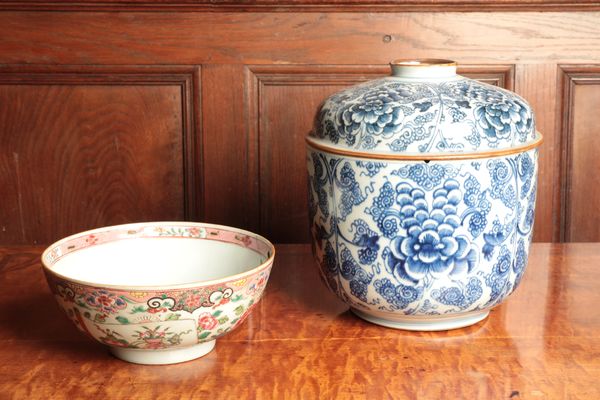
(434, 323)
(160, 357)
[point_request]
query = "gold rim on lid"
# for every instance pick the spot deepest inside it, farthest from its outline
(313, 142)
(423, 62)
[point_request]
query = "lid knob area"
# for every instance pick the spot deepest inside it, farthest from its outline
(426, 68)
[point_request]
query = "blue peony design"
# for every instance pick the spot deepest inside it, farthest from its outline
(376, 113)
(498, 119)
(432, 245)
(497, 113)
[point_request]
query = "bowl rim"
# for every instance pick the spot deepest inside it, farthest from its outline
(161, 288)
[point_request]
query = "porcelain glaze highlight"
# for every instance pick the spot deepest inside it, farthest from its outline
(430, 244)
(159, 324)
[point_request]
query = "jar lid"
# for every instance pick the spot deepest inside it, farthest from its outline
(424, 110)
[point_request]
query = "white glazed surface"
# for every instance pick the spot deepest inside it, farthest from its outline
(424, 110)
(436, 69)
(160, 357)
(411, 323)
(415, 239)
(159, 293)
(422, 191)
(157, 262)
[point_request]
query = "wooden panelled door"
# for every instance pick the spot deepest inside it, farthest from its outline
(115, 112)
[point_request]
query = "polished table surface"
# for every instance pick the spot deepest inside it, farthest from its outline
(301, 342)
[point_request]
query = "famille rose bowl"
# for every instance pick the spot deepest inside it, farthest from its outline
(159, 292)
(422, 189)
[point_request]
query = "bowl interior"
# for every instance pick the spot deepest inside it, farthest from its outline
(148, 260)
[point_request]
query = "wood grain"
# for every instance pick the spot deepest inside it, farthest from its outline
(538, 84)
(301, 5)
(230, 176)
(296, 38)
(81, 151)
(301, 342)
(580, 144)
(234, 72)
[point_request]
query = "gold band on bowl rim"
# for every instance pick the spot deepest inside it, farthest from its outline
(311, 141)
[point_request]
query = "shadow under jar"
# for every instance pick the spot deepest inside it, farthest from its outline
(422, 190)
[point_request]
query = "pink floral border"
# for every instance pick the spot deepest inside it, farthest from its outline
(153, 230)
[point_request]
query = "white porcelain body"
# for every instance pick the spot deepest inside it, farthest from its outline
(422, 193)
(422, 245)
(162, 292)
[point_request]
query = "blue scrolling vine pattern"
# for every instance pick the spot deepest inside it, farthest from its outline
(404, 116)
(431, 221)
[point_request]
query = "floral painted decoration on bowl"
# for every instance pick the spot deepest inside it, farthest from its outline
(161, 317)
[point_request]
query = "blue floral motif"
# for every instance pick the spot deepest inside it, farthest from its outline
(400, 296)
(432, 247)
(353, 272)
(351, 193)
(427, 176)
(479, 205)
(412, 242)
(412, 132)
(458, 297)
(526, 168)
(498, 235)
(372, 168)
(477, 223)
(367, 240)
(497, 113)
(498, 280)
(502, 187)
(407, 116)
(329, 267)
(520, 262)
(386, 223)
(530, 211)
(312, 204)
(376, 113)
(472, 190)
(318, 182)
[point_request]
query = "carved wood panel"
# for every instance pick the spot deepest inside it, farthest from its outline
(79, 150)
(300, 5)
(237, 150)
(282, 104)
(580, 167)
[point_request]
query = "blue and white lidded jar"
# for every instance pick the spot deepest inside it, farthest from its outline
(422, 190)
